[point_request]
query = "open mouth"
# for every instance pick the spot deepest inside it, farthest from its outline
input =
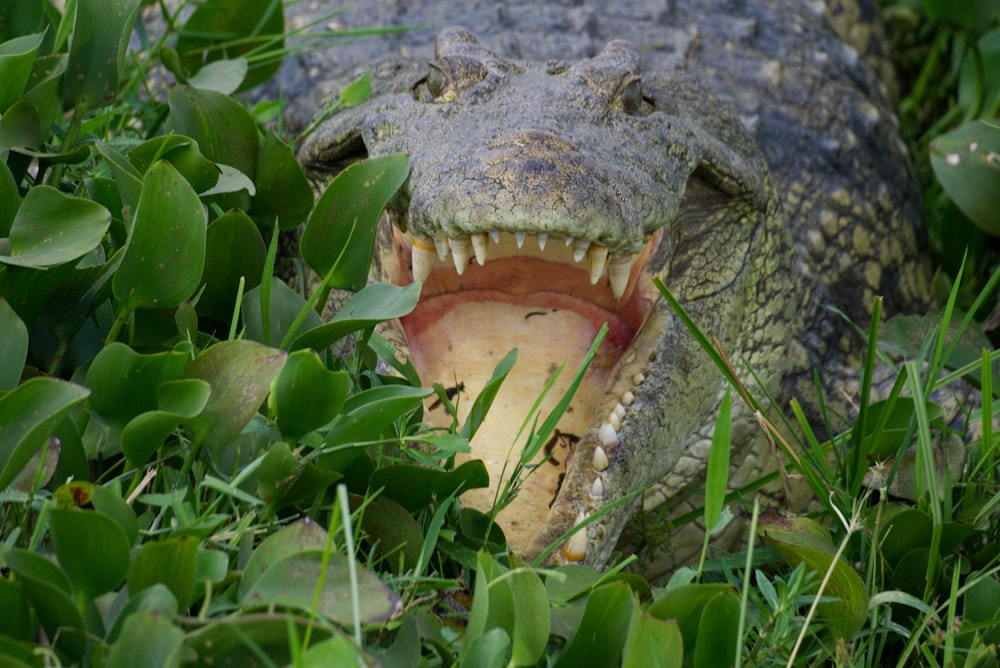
(546, 296)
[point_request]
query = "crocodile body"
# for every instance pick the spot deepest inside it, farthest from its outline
(743, 152)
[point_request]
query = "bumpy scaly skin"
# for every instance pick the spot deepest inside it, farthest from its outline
(764, 148)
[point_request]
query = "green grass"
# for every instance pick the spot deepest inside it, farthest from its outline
(184, 479)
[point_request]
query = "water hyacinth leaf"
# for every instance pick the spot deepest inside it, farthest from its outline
(48, 591)
(396, 535)
(300, 536)
(10, 200)
(39, 469)
(718, 464)
(20, 127)
(375, 304)
(488, 650)
(92, 549)
(292, 582)
(284, 306)
(237, 251)
(180, 401)
(283, 192)
(97, 53)
(341, 228)
(16, 59)
(13, 346)
(172, 562)
(530, 635)
(114, 506)
(45, 94)
(652, 642)
(28, 415)
(127, 177)
(222, 76)
(686, 604)
(181, 152)
(19, 18)
(414, 487)
(240, 374)
(51, 228)
(168, 233)
(224, 641)
(599, 639)
(306, 395)
(220, 29)
(283, 479)
(368, 413)
(717, 641)
(124, 383)
(492, 606)
(223, 128)
(967, 163)
(148, 640)
(15, 614)
(156, 599)
(904, 529)
(801, 539)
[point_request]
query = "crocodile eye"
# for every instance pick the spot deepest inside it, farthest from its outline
(435, 81)
(631, 97)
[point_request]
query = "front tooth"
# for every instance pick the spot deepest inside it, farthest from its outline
(543, 238)
(569, 241)
(479, 247)
(619, 269)
(598, 257)
(580, 248)
(519, 237)
(460, 251)
(495, 236)
(441, 243)
(423, 256)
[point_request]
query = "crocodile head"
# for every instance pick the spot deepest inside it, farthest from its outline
(542, 200)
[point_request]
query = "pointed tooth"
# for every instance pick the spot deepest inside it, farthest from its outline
(575, 548)
(619, 269)
(460, 251)
(543, 238)
(569, 241)
(519, 237)
(580, 248)
(495, 236)
(479, 247)
(598, 257)
(441, 243)
(422, 255)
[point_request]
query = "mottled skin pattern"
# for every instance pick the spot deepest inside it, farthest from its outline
(764, 147)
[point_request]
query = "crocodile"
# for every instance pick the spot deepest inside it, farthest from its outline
(562, 155)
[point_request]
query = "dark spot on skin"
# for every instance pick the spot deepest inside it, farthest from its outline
(528, 315)
(561, 439)
(559, 483)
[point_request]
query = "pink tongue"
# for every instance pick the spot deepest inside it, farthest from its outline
(463, 344)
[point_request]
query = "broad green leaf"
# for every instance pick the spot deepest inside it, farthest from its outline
(341, 229)
(283, 479)
(977, 88)
(10, 200)
(127, 177)
(221, 29)
(92, 549)
(367, 414)
(652, 642)
(20, 127)
(181, 152)
(717, 641)
(51, 228)
(180, 401)
(492, 602)
(530, 635)
(375, 304)
(965, 162)
(148, 640)
(601, 635)
(968, 15)
(45, 91)
(13, 347)
(222, 76)
(223, 128)
(172, 562)
(396, 535)
(357, 91)
(97, 53)
(114, 506)
(904, 529)
(685, 604)
(981, 604)
(28, 415)
(293, 582)
(124, 383)
(283, 192)
(19, 18)
(16, 58)
(224, 642)
(801, 539)
(237, 251)
(285, 304)
(306, 395)
(47, 589)
(168, 234)
(15, 615)
(414, 487)
(300, 536)
(487, 650)
(336, 651)
(240, 373)
(717, 476)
